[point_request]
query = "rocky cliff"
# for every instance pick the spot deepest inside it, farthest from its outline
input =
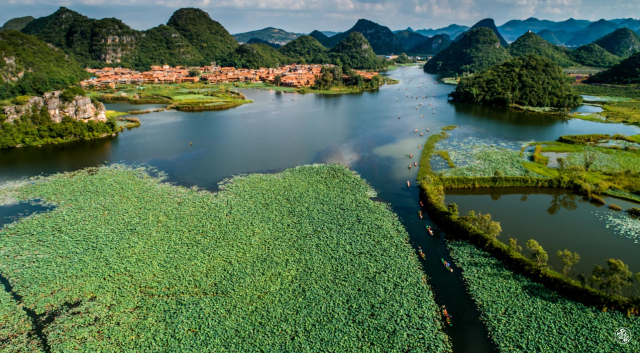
(80, 108)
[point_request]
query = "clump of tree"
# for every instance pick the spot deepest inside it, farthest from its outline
(526, 81)
(568, 259)
(483, 223)
(403, 59)
(626, 72)
(538, 254)
(332, 76)
(69, 94)
(613, 279)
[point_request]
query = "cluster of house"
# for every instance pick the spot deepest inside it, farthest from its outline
(289, 75)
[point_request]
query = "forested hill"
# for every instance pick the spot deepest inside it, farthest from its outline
(626, 72)
(269, 34)
(306, 49)
(190, 37)
(355, 52)
(527, 81)
(16, 24)
(431, 46)
(487, 23)
(622, 42)
(532, 44)
(477, 50)
(381, 38)
(43, 68)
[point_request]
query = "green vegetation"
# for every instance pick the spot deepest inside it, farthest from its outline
(16, 329)
(527, 81)
(153, 267)
(185, 97)
(631, 92)
(539, 158)
(479, 49)
(306, 49)
(432, 45)
(512, 304)
(449, 127)
(211, 40)
(593, 55)
(43, 69)
(16, 24)
(255, 56)
(446, 157)
(626, 72)
(38, 129)
(531, 44)
(622, 42)
(490, 24)
(355, 52)
(331, 78)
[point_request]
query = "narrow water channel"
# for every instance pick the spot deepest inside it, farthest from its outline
(281, 130)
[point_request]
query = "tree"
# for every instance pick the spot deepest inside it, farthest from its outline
(562, 167)
(277, 80)
(537, 252)
(453, 208)
(589, 157)
(568, 259)
(483, 223)
(513, 246)
(613, 279)
(194, 72)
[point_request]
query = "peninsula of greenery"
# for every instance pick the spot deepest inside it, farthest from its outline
(301, 260)
(525, 81)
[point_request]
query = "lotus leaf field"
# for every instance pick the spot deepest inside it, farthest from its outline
(476, 157)
(608, 160)
(524, 316)
(622, 224)
(15, 327)
(300, 261)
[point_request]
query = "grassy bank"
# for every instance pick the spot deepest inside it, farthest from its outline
(513, 307)
(298, 261)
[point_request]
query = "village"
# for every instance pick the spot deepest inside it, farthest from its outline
(287, 76)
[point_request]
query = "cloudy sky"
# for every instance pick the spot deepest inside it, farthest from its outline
(303, 16)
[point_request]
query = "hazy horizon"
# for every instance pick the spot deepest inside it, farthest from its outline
(333, 15)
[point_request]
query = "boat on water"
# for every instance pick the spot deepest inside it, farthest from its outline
(408, 183)
(429, 230)
(422, 133)
(416, 130)
(420, 214)
(421, 204)
(446, 316)
(444, 263)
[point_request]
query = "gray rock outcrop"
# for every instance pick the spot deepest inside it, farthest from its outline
(80, 108)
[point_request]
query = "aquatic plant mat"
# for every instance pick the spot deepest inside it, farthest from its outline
(298, 261)
(524, 316)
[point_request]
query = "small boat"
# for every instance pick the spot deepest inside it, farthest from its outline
(411, 155)
(398, 117)
(422, 133)
(420, 214)
(408, 183)
(427, 130)
(422, 255)
(416, 130)
(421, 205)
(444, 263)
(429, 230)
(422, 116)
(446, 316)
(419, 146)
(410, 165)
(420, 104)
(415, 164)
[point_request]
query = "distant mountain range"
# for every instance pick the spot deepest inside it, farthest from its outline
(382, 40)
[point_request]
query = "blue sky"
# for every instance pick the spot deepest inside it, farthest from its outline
(303, 16)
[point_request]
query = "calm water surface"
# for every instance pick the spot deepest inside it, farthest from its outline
(557, 219)
(282, 130)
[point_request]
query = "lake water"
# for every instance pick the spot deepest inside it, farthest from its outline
(283, 130)
(558, 220)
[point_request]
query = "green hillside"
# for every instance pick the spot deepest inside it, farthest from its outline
(321, 38)
(431, 46)
(408, 39)
(255, 56)
(43, 68)
(355, 52)
(16, 24)
(622, 42)
(206, 35)
(487, 23)
(306, 49)
(594, 55)
(531, 44)
(163, 45)
(477, 50)
(626, 72)
(527, 81)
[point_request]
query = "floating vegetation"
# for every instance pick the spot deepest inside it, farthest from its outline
(524, 316)
(16, 330)
(476, 157)
(297, 261)
(610, 161)
(621, 223)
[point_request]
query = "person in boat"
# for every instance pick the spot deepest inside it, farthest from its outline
(421, 204)
(411, 155)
